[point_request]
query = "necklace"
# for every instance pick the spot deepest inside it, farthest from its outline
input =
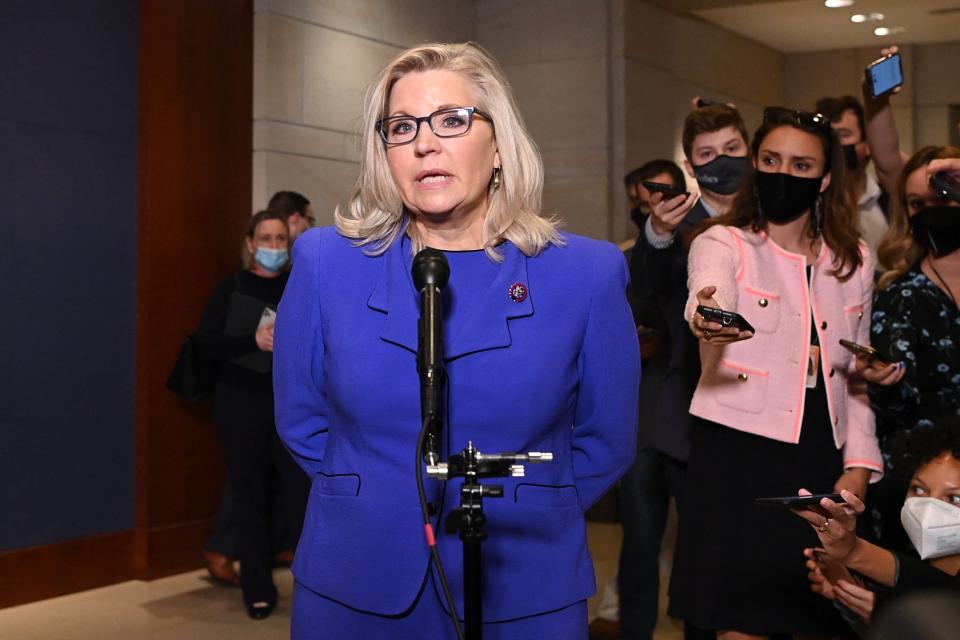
(941, 279)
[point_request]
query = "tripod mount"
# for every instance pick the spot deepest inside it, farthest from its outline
(468, 520)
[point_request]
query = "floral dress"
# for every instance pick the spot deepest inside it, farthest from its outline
(916, 322)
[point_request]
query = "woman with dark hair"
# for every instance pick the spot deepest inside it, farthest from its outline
(930, 473)
(237, 332)
(915, 326)
(916, 321)
(777, 405)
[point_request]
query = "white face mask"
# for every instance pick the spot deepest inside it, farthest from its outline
(933, 526)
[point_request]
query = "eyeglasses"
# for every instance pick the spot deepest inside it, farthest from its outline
(801, 119)
(445, 123)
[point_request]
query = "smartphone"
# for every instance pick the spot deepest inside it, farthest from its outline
(945, 185)
(832, 570)
(868, 352)
(703, 102)
(793, 502)
(885, 75)
(726, 318)
(668, 190)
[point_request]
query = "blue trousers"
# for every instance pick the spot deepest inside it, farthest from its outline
(318, 618)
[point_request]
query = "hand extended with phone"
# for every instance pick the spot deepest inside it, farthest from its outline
(869, 353)
(668, 190)
(725, 318)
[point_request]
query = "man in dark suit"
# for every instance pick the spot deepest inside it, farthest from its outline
(715, 145)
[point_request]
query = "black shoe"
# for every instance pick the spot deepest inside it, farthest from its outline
(260, 610)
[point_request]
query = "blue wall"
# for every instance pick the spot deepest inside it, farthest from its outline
(68, 259)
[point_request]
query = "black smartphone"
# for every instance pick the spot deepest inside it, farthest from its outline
(726, 318)
(668, 190)
(703, 102)
(945, 185)
(885, 75)
(793, 502)
(861, 350)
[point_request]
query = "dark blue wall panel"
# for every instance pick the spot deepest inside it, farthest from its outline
(68, 179)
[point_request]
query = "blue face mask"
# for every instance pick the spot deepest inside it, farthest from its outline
(271, 259)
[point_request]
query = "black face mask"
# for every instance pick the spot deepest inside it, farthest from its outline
(784, 198)
(722, 175)
(937, 229)
(850, 156)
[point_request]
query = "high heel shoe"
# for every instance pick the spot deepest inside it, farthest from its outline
(260, 610)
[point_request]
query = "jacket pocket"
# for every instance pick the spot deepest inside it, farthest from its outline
(761, 309)
(740, 387)
(546, 495)
(340, 484)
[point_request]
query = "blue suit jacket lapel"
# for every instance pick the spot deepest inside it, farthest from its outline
(487, 327)
(395, 295)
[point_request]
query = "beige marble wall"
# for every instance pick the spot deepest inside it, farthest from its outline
(554, 53)
(313, 60)
(810, 76)
(936, 91)
(605, 86)
(922, 109)
(662, 60)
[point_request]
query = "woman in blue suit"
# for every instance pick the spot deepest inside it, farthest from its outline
(541, 355)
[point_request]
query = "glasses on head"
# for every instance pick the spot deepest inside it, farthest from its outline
(801, 119)
(445, 123)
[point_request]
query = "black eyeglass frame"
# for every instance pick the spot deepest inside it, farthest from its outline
(382, 124)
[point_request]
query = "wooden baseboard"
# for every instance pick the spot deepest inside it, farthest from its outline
(48, 571)
(166, 551)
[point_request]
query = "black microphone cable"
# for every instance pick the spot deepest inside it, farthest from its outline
(431, 536)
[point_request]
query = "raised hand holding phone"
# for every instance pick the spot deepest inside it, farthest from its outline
(712, 332)
(885, 75)
(666, 213)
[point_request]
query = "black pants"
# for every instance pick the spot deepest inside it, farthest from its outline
(255, 460)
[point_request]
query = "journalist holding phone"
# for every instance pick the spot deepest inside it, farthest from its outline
(776, 400)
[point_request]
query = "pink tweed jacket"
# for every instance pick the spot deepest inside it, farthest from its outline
(758, 385)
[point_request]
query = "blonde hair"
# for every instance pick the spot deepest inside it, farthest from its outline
(375, 215)
(898, 251)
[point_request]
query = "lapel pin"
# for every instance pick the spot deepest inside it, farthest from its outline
(518, 292)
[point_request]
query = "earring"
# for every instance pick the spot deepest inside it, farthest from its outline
(496, 178)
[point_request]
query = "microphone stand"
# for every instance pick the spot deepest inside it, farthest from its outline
(469, 520)
(430, 275)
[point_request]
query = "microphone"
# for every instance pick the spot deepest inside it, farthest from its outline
(430, 275)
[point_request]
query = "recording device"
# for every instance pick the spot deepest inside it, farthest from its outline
(867, 352)
(430, 275)
(668, 190)
(725, 318)
(832, 570)
(885, 75)
(794, 502)
(945, 185)
(703, 102)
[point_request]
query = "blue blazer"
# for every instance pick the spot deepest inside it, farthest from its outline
(558, 371)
